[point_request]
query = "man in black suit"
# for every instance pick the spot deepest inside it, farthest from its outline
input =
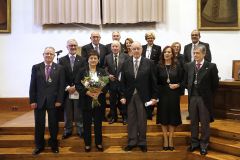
(188, 49)
(113, 66)
(102, 50)
(201, 80)
(152, 52)
(46, 94)
(95, 45)
(72, 110)
(115, 37)
(138, 86)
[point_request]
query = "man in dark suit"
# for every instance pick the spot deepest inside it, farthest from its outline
(138, 86)
(95, 45)
(188, 49)
(201, 80)
(72, 110)
(113, 66)
(46, 94)
(152, 52)
(102, 50)
(115, 37)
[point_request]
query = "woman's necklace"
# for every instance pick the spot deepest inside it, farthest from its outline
(168, 72)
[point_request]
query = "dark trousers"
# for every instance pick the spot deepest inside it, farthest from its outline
(40, 118)
(199, 113)
(137, 122)
(89, 116)
(115, 103)
(72, 110)
(102, 100)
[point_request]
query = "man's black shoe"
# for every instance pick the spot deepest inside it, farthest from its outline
(129, 148)
(203, 151)
(143, 148)
(37, 151)
(192, 148)
(112, 121)
(80, 135)
(124, 121)
(55, 150)
(66, 135)
(99, 148)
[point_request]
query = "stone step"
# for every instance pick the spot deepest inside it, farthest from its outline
(120, 139)
(225, 145)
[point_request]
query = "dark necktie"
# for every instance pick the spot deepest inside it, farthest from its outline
(72, 60)
(97, 49)
(198, 66)
(135, 67)
(115, 61)
(47, 72)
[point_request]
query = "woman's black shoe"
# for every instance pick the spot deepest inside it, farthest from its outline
(171, 148)
(165, 148)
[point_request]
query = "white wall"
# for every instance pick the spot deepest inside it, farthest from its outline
(23, 47)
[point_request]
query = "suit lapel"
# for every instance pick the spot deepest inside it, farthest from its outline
(140, 67)
(203, 70)
(191, 72)
(120, 61)
(53, 70)
(42, 71)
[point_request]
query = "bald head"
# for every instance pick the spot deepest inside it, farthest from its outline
(95, 38)
(136, 48)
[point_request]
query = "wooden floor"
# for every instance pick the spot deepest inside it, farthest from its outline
(17, 129)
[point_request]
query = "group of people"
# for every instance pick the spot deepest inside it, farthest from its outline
(140, 77)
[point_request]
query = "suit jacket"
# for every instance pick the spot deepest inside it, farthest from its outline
(155, 53)
(70, 74)
(110, 68)
(188, 49)
(207, 79)
(109, 50)
(86, 100)
(145, 81)
(44, 92)
(103, 52)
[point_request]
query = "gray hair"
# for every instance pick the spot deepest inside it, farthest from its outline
(201, 47)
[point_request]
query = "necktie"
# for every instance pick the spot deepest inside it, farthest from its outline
(72, 60)
(192, 54)
(115, 61)
(97, 49)
(47, 72)
(135, 68)
(198, 66)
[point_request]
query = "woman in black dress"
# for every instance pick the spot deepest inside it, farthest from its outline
(91, 112)
(169, 77)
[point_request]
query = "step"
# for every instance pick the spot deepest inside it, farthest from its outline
(212, 155)
(106, 128)
(110, 153)
(153, 138)
(225, 134)
(225, 145)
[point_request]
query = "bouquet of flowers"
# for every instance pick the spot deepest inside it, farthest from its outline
(95, 84)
